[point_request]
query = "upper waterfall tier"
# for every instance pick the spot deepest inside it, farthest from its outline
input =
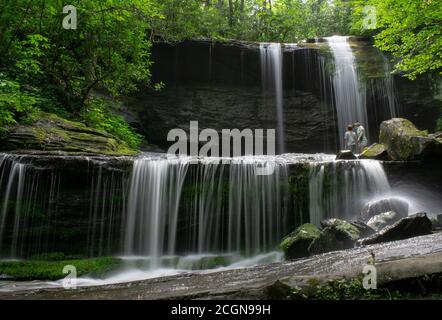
(220, 85)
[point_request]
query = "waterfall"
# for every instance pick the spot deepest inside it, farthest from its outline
(153, 202)
(271, 75)
(349, 96)
(176, 207)
(339, 189)
(26, 212)
(166, 208)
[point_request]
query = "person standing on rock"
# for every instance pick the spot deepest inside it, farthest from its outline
(350, 139)
(362, 141)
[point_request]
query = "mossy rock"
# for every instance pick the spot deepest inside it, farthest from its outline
(296, 244)
(337, 235)
(405, 142)
(51, 133)
(376, 151)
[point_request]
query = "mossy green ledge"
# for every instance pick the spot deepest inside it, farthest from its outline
(51, 133)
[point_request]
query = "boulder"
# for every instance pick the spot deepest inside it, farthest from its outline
(364, 229)
(53, 134)
(376, 207)
(437, 222)
(345, 155)
(295, 245)
(376, 151)
(338, 235)
(380, 221)
(405, 142)
(412, 226)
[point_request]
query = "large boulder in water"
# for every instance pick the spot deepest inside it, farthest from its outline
(376, 207)
(345, 155)
(296, 244)
(412, 226)
(380, 221)
(337, 235)
(437, 222)
(376, 151)
(364, 229)
(405, 142)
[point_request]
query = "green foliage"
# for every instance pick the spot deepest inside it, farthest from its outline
(97, 115)
(15, 104)
(408, 29)
(52, 269)
(342, 289)
(252, 20)
(48, 68)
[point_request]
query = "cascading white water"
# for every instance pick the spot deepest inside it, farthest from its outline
(341, 188)
(349, 95)
(22, 206)
(271, 75)
(228, 207)
(153, 202)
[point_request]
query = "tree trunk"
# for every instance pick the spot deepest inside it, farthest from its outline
(231, 13)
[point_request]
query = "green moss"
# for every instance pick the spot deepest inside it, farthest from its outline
(347, 228)
(53, 269)
(427, 286)
(341, 289)
(373, 151)
(403, 140)
(52, 133)
(306, 231)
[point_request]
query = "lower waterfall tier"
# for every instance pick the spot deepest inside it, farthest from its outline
(157, 206)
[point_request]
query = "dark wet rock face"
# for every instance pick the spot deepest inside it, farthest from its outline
(296, 244)
(373, 208)
(412, 226)
(337, 235)
(219, 85)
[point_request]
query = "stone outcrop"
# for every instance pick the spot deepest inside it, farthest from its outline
(404, 141)
(376, 207)
(53, 134)
(337, 235)
(412, 226)
(345, 155)
(376, 151)
(382, 220)
(296, 244)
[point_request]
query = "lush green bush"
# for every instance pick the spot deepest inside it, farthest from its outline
(16, 105)
(53, 269)
(99, 115)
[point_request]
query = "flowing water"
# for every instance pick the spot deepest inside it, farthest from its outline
(340, 189)
(349, 95)
(271, 75)
(352, 92)
(222, 207)
(169, 215)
